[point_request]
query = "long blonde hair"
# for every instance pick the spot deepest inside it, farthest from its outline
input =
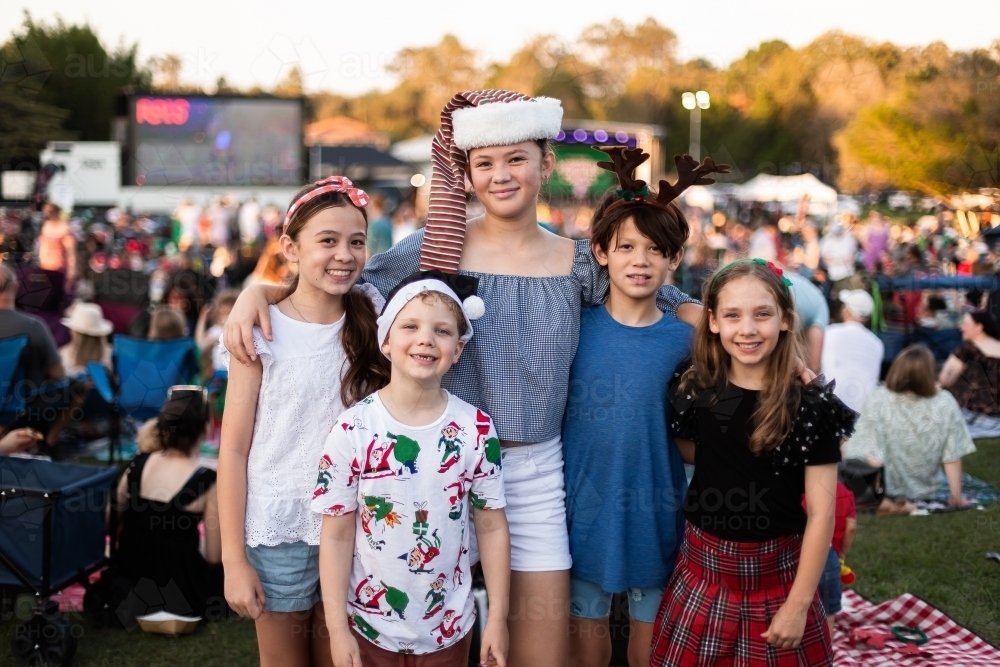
(780, 397)
(85, 348)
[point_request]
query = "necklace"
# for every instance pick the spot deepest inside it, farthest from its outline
(292, 304)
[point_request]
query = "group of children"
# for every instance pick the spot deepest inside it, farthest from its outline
(547, 445)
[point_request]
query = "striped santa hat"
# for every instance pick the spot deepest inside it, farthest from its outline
(470, 120)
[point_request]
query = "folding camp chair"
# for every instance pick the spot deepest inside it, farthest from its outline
(143, 370)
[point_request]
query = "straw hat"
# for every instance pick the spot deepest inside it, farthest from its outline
(88, 318)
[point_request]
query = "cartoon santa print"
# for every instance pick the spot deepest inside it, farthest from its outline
(355, 471)
(377, 463)
(459, 574)
(378, 598)
(405, 450)
(420, 556)
(456, 495)
(377, 510)
(491, 456)
(452, 446)
(435, 596)
(448, 627)
(325, 476)
(354, 425)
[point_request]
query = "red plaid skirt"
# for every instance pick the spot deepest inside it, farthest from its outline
(723, 596)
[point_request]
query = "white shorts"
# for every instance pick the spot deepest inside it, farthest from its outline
(536, 508)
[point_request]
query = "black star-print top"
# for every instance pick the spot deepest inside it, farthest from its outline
(736, 494)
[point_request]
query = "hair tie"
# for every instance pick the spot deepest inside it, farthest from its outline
(773, 268)
(343, 184)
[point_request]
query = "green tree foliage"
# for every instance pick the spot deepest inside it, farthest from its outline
(67, 67)
(863, 115)
(26, 126)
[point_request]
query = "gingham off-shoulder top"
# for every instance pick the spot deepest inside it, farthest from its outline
(516, 367)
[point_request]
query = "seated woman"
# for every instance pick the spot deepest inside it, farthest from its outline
(162, 498)
(89, 338)
(912, 429)
(972, 371)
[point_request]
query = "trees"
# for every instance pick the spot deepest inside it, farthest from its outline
(60, 82)
(82, 76)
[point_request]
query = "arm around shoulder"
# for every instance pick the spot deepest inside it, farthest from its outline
(251, 308)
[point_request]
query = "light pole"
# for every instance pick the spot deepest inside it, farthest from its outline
(695, 102)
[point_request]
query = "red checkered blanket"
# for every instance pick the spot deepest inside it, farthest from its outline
(862, 626)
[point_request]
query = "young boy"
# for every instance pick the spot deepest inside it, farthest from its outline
(401, 473)
(624, 477)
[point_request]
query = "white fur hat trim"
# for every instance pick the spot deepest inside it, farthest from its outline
(502, 124)
(403, 297)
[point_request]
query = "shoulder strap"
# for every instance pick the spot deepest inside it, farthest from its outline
(198, 483)
(135, 475)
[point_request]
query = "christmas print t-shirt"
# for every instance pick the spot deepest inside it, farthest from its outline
(413, 489)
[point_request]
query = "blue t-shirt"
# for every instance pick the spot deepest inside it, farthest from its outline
(624, 476)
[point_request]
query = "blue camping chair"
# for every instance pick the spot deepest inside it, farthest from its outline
(144, 370)
(11, 373)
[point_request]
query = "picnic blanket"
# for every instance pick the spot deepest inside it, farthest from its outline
(950, 644)
(979, 493)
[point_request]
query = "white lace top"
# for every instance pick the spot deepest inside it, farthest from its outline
(298, 405)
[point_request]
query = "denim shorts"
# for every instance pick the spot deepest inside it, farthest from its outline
(829, 584)
(590, 601)
(289, 574)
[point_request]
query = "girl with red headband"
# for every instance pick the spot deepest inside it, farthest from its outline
(517, 368)
(279, 410)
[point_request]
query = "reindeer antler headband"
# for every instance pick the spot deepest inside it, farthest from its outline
(634, 191)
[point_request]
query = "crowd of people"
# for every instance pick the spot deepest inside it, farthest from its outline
(401, 401)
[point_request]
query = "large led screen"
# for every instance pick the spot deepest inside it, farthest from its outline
(217, 141)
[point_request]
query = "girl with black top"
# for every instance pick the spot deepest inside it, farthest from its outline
(744, 588)
(162, 498)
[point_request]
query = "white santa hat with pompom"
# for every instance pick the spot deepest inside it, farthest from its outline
(460, 288)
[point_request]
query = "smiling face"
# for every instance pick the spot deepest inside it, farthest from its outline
(507, 179)
(749, 323)
(637, 266)
(329, 249)
(423, 342)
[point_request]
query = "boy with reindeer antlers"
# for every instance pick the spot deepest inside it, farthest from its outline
(624, 476)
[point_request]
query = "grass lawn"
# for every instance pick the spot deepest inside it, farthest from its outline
(938, 557)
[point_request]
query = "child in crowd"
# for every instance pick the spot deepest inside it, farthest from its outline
(745, 584)
(624, 478)
(166, 323)
(280, 408)
(211, 321)
(845, 525)
(402, 474)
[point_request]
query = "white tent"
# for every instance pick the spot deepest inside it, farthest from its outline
(767, 188)
(416, 150)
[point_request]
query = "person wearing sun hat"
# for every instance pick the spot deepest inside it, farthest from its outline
(89, 332)
(853, 355)
(516, 368)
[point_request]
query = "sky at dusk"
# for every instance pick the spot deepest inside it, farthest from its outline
(344, 46)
